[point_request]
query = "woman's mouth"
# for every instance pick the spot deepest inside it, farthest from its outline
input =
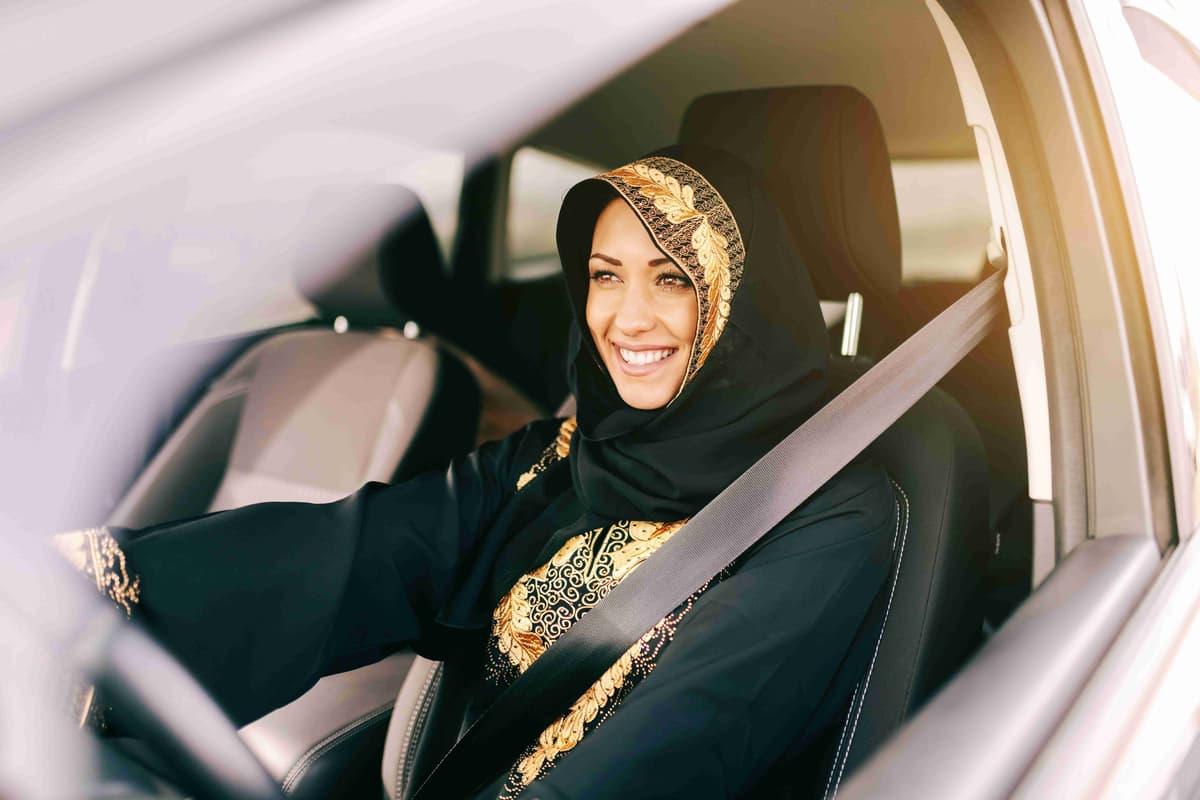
(642, 361)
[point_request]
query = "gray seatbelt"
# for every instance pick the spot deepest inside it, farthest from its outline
(730, 524)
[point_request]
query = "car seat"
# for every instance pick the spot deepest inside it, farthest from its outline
(311, 414)
(823, 155)
(821, 152)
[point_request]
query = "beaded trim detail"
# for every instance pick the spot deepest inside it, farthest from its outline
(95, 553)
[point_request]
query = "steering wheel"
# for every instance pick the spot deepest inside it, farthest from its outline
(161, 703)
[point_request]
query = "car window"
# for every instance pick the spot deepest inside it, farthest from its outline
(205, 242)
(944, 218)
(16, 285)
(1159, 124)
(537, 183)
(224, 245)
(1167, 39)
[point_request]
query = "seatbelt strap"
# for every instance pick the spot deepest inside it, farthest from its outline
(757, 501)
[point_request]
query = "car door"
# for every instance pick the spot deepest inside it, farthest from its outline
(1134, 729)
(1088, 690)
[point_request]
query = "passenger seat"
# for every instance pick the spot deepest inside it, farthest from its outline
(311, 414)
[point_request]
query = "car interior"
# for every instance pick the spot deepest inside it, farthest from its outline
(412, 381)
(418, 345)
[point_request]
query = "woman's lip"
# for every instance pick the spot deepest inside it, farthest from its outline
(640, 347)
(640, 370)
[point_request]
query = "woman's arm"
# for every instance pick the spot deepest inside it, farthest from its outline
(259, 602)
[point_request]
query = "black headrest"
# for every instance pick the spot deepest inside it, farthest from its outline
(821, 153)
(368, 252)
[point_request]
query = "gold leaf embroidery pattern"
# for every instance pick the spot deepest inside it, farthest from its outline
(513, 618)
(599, 702)
(559, 449)
(712, 255)
(568, 730)
(718, 260)
(544, 603)
(676, 201)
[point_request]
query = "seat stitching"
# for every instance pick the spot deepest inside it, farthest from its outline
(845, 727)
(328, 743)
(427, 699)
(416, 721)
(856, 699)
(886, 611)
(405, 754)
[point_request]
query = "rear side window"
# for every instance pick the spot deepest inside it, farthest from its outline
(944, 219)
(537, 183)
(213, 255)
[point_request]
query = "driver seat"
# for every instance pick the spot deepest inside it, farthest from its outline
(822, 154)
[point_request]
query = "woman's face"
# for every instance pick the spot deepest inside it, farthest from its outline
(641, 310)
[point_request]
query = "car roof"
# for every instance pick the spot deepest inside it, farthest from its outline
(891, 52)
(440, 74)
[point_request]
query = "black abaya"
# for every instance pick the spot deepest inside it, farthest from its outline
(492, 560)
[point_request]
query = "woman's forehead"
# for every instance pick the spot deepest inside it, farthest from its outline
(620, 233)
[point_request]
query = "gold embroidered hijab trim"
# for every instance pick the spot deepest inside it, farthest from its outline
(690, 222)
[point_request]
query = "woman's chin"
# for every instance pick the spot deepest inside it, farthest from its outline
(647, 396)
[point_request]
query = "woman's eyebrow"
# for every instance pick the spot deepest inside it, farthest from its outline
(610, 260)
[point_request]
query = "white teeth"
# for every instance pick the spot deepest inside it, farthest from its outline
(640, 357)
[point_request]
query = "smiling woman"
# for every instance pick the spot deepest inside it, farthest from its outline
(641, 310)
(695, 350)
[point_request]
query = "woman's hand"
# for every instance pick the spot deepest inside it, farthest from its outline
(95, 553)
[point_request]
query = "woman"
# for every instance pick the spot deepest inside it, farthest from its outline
(699, 345)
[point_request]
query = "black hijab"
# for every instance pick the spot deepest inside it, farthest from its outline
(759, 356)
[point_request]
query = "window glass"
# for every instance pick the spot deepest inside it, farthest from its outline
(944, 219)
(1159, 123)
(16, 283)
(197, 259)
(214, 255)
(537, 183)
(1185, 784)
(1161, 32)
(437, 179)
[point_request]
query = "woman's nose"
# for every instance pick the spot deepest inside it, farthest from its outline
(636, 311)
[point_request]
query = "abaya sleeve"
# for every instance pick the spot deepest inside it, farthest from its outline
(750, 668)
(260, 601)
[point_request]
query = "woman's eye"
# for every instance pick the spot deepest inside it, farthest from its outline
(674, 280)
(603, 276)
